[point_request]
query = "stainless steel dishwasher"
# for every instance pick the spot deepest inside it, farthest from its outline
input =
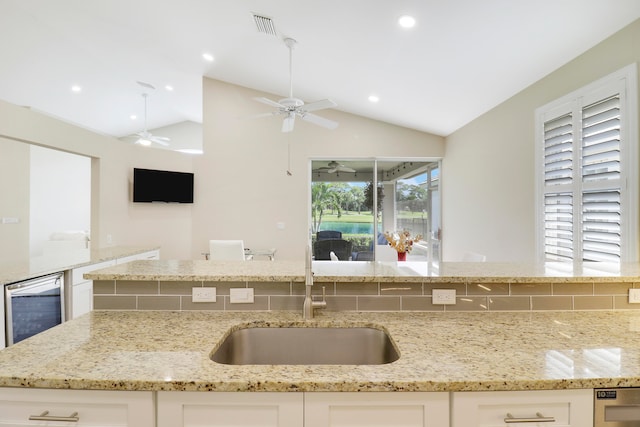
(617, 407)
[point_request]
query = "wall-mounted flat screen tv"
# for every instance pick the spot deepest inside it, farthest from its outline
(151, 185)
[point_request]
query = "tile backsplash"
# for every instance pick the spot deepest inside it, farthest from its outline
(367, 296)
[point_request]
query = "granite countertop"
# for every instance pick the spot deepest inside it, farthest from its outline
(39, 266)
(353, 271)
(438, 352)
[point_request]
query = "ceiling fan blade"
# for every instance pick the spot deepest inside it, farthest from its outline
(269, 102)
(320, 121)
(145, 142)
(258, 116)
(287, 123)
(319, 105)
(345, 169)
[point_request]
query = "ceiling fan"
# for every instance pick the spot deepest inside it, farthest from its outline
(291, 107)
(334, 166)
(145, 137)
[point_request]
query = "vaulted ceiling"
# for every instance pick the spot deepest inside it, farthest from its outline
(462, 58)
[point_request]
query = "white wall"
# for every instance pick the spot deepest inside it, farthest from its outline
(59, 193)
(491, 210)
(14, 201)
(112, 169)
(243, 190)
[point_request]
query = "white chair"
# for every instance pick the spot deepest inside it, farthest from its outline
(226, 250)
(473, 257)
(333, 256)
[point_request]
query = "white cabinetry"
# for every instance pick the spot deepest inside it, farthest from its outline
(80, 299)
(216, 409)
(81, 294)
(191, 409)
(38, 407)
(376, 409)
(490, 409)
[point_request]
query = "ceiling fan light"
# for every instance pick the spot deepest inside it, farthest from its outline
(145, 142)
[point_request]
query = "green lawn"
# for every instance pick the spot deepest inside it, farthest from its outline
(367, 217)
(349, 216)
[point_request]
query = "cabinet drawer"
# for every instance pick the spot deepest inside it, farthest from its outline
(91, 408)
(489, 409)
(76, 273)
(410, 409)
(221, 409)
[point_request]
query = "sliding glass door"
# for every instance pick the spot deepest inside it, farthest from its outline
(355, 202)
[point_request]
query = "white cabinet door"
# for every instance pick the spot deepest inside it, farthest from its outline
(38, 407)
(216, 409)
(376, 409)
(81, 294)
(489, 409)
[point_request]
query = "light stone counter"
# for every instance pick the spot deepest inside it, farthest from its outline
(345, 271)
(39, 266)
(438, 352)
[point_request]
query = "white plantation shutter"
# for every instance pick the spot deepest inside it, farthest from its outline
(558, 174)
(586, 200)
(558, 226)
(601, 209)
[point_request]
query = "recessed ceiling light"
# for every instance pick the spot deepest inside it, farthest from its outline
(373, 98)
(76, 89)
(207, 57)
(169, 88)
(407, 21)
(133, 117)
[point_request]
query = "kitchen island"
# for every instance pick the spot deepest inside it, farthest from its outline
(167, 350)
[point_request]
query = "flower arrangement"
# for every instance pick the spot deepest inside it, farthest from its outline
(401, 241)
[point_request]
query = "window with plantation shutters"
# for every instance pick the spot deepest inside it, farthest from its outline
(587, 171)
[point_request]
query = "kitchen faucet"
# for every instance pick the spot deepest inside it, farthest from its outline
(309, 304)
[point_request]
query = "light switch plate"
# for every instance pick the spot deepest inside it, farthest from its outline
(443, 296)
(202, 294)
(241, 295)
(634, 296)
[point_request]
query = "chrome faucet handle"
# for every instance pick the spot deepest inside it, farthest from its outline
(324, 295)
(322, 303)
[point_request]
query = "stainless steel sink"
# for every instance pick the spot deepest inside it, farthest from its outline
(306, 346)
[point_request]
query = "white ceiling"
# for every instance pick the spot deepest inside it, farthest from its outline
(462, 58)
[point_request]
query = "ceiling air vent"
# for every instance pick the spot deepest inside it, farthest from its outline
(264, 24)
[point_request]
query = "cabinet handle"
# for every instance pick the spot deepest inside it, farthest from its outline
(538, 419)
(73, 418)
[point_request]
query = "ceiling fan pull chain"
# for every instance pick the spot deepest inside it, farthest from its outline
(291, 43)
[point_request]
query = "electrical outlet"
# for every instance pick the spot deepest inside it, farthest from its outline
(443, 296)
(241, 295)
(203, 294)
(634, 296)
